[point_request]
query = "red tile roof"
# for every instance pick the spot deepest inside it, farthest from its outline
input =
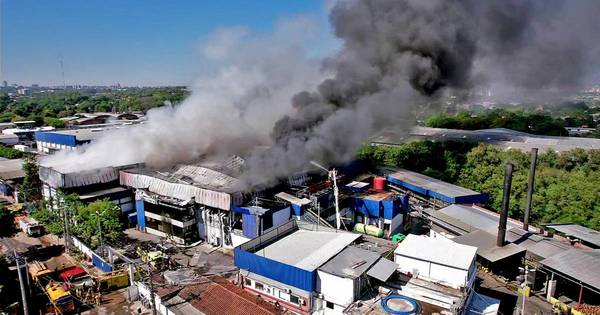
(221, 297)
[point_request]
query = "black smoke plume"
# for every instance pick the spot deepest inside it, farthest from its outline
(398, 54)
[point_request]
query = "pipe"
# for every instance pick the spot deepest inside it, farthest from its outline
(508, 170)
(530, 184)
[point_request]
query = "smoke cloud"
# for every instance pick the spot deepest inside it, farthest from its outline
(395, 55)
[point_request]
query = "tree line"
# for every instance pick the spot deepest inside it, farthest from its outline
(567, 186)
(46, 108)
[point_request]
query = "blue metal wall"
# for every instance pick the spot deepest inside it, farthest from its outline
(141, 214)
(58, 138)
(275, 270)
(249, 225)
(100, 263)
(386, 209)
(468, 199)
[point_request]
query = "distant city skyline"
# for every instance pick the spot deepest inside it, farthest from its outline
(133, 43)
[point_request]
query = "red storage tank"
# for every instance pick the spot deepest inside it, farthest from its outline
(379, 183)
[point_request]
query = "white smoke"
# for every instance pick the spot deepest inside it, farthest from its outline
(231, 109)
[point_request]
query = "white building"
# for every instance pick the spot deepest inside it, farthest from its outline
(437, 260)
(441, 273)
(342, 280)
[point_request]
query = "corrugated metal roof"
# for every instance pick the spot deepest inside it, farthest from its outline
(581, 232)
(581, 265)
(11, 169)
(383, 269)
(501, 137)
(476, 218)
(437, 251)
(292, 199)
(486, 246)
(351, 263)
(536, 244)
(307, 250)
(432, 184)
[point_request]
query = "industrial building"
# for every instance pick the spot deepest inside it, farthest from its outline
(442, 273)
(48, 142)
(99, 118)
(11, 176)
(435, 189)
(500, 137)
(90, 185)
(325, 273)
(578, 233)
(202, 201)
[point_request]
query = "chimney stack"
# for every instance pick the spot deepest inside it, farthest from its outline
(508, 170)
(534, 153)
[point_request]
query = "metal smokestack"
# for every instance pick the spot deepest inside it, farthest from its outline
(508, 170)
(531, 182)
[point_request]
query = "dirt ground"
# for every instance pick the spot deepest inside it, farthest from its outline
(510, 303)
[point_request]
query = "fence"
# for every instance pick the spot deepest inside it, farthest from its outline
(97, 261)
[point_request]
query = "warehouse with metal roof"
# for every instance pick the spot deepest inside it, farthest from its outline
(436, 189)
(586, 235)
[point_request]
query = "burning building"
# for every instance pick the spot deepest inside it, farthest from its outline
(204, 201)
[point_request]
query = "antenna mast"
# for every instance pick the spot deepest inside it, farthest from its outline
(62, 70)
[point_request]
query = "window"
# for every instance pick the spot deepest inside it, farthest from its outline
(294, 299)
(329, 304)
(259, 286)
(247, 282)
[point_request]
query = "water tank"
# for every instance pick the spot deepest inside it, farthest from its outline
(379, 183)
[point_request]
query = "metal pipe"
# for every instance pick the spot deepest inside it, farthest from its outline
(530, 185)
(508, 170)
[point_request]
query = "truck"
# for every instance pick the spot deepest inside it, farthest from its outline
(30, 226)
(62, 301)
(75, 277)
(39, 271)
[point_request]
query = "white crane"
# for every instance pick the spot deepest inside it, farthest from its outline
(333, 176)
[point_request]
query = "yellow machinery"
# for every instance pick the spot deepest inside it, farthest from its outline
(38, 271)
(61, 299)
(113, 281)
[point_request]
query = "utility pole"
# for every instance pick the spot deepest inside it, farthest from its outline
(61, 205)
(148, 266)
(523, 286)
(100, 234)
(21, 283)
(336, 193)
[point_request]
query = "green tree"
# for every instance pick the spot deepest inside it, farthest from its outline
(30, 189)
(54, 122)
(87, 218)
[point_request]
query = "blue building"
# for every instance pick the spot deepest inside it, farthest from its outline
(435, 189)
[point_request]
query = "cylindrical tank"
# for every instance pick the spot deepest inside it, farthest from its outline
(379, 183)
(368, 229)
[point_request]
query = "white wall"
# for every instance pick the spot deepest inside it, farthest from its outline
(238, 240)
(145, 292)
(446, 275)
(335, 289)
(396, 223)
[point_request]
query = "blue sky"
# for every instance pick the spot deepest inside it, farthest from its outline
(133, 42)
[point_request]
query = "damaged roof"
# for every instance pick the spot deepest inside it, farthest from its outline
(211, 184)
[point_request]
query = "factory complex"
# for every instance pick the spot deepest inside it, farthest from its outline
(342, 240)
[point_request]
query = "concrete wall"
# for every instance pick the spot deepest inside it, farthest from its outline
(276, 294)
(144, 292)
(335, 289)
